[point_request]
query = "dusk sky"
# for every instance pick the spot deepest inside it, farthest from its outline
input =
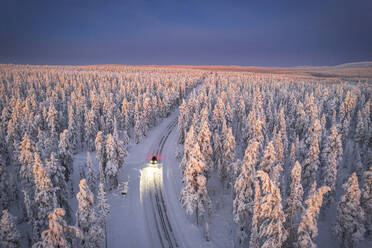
(193, 32)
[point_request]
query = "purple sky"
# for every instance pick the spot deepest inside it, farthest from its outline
(196, 32)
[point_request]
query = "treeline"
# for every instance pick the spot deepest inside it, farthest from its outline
(281, 145)
(50, 113)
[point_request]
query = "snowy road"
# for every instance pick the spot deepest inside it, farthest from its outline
(152, 195)
(140, 218)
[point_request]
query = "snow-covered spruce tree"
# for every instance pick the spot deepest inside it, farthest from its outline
(90, 129)
(101, 155)
(331, 156)
(103, 209)
(9, 235)
(244, 191)
(283, 130)
(65, 155)
(189, 144)
(115, 159)
(108, 113)
(56, 174)
(91, 174)
(45, 198)
(125, 115)
(269, 158)
(311, 162)
(26, 158)
(194, 196)
(183, 118)
(271, 218)
(308, 230)
(294, 202)
(146, 115)
(204, 140)
(52, 138)
(73, 133)
(228, 157)
(367, 198)
(218, 115)
(86, 217)
(270, 164)
(279, 149)
(59, 233)
(350, 215)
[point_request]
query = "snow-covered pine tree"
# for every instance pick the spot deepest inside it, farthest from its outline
(9, 235)
(294, 201)
(244, 191)
(103, 209)
(332, 156)
(367, 198)
(204, 140)
(189, 144)
(228, 157)
(86, 217)
(350, 215)
(26, 158)
(115, 159)
(101, 155)
(271, 218)
(45, 198)
(194, 196)
(307, 230)
(59, 233)
(65, 155)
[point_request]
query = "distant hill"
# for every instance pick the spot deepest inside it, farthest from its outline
(366, 64)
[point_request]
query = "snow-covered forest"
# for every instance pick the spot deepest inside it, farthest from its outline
(263, 160)
(293, 154)
(51, 113)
